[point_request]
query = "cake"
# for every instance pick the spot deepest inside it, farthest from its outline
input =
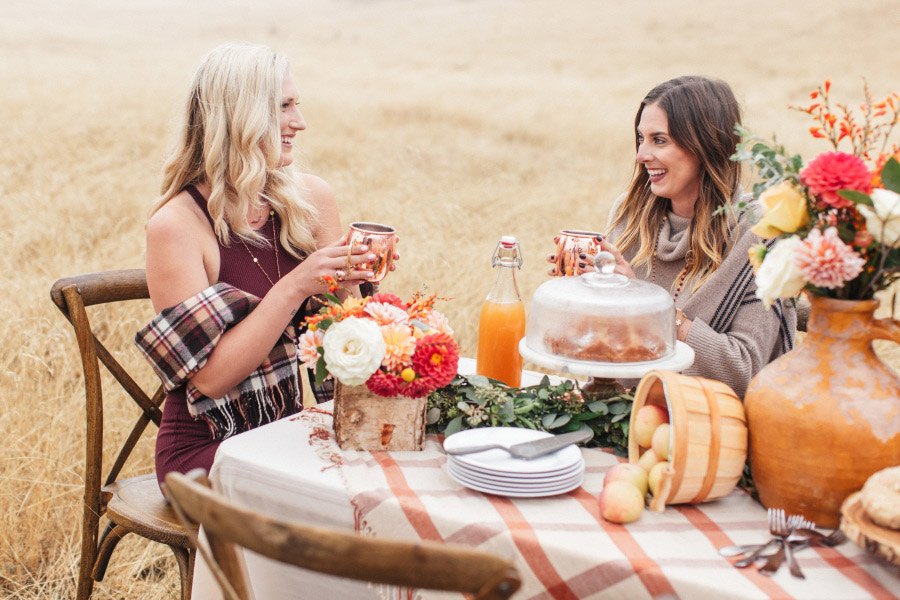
(608, 339)
(601, 317)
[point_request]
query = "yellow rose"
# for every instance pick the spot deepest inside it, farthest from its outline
(785, 211)
(756, 254)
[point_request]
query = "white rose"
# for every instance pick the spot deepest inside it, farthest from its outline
(778, 276)
(354, 349)
(883, 221)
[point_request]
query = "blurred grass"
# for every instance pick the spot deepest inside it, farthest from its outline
(455, 121)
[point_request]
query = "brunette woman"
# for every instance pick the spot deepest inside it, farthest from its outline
(679, 225)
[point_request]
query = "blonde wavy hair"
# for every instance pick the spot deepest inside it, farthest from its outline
(231, 139)
(702, 114)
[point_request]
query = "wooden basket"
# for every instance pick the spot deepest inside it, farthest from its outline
(709, 437)
(366, 421)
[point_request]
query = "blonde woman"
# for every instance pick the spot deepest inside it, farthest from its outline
(238, 242)
(669, 229)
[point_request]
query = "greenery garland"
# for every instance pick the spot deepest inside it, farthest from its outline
(471, 401)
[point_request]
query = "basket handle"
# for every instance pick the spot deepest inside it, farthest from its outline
(663, 489)
(715, 442)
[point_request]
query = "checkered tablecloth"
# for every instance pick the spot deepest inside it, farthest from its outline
(564, 549)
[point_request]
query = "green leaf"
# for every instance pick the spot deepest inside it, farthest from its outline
(479, 381)
(856, 197)
(547, 420)
(890, 175)
(321, 371)
(506, 412)
(599, 406)
(618, 418)
(618, 408)
(454, 425)
(586, 416)
(332, 298)
(558, 421)
(543, 393)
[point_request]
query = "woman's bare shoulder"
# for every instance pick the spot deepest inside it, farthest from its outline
(177, 218)
(319, 193)
(180, 246)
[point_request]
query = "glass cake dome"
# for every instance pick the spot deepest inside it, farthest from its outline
(601, 317)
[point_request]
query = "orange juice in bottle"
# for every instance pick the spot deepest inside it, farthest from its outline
(502, 322)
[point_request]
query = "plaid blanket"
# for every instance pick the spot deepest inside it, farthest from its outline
(179, 340)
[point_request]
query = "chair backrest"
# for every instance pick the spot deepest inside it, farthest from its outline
(72, 295)
(423, 565)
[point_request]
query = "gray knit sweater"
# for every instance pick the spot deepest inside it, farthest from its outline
(733, 335)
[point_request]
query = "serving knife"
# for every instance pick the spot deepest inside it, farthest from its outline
(531, 449)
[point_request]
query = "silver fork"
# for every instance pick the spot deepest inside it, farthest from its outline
(756, 554)
(782, 527)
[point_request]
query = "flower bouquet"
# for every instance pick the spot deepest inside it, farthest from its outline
(386, 356)
(836, 219)
(823, 417)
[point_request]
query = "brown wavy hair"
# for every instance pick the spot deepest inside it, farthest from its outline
(702, 113)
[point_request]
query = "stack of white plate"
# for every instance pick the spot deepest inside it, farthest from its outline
(496, 472)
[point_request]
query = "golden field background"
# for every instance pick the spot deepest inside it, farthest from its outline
(457, 121)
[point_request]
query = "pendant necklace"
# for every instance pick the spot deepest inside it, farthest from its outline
(275, 244)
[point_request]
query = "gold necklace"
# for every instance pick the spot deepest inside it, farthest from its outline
(275, 244)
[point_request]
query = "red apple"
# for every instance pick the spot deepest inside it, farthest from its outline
(628, 473)
(662, 440)
(647, 419)
(621, 502)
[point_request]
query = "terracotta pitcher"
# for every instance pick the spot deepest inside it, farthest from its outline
(826, 415)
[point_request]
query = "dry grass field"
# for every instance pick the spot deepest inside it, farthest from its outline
(457, 121)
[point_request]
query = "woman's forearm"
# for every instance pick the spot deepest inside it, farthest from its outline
(243, 347)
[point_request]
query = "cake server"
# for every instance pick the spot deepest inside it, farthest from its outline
(533, 448)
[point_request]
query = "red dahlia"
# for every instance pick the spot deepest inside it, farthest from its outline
(388, 298)
(418, 387)
(384, 384)
(436, 357)
(830, 172)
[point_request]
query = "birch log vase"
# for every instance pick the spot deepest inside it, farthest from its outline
(366, 421)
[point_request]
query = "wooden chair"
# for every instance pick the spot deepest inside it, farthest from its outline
(422, 565)
(133, 505)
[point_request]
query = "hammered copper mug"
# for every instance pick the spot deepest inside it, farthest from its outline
(381, 240)
(570, 244)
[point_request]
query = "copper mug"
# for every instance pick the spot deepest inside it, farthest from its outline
(570, 244)
(381, 240)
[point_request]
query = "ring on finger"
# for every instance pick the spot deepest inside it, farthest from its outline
(340, 274)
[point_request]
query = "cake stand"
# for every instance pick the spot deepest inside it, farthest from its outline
(603, 375)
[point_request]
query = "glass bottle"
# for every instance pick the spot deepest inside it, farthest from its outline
(502, 322)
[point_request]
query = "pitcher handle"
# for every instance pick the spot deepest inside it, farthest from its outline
(885, 329)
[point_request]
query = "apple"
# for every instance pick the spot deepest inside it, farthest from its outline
(647, 419)
(621, 502)
(628, 473)
(648, 459)
(661, 440)
(655, 475)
